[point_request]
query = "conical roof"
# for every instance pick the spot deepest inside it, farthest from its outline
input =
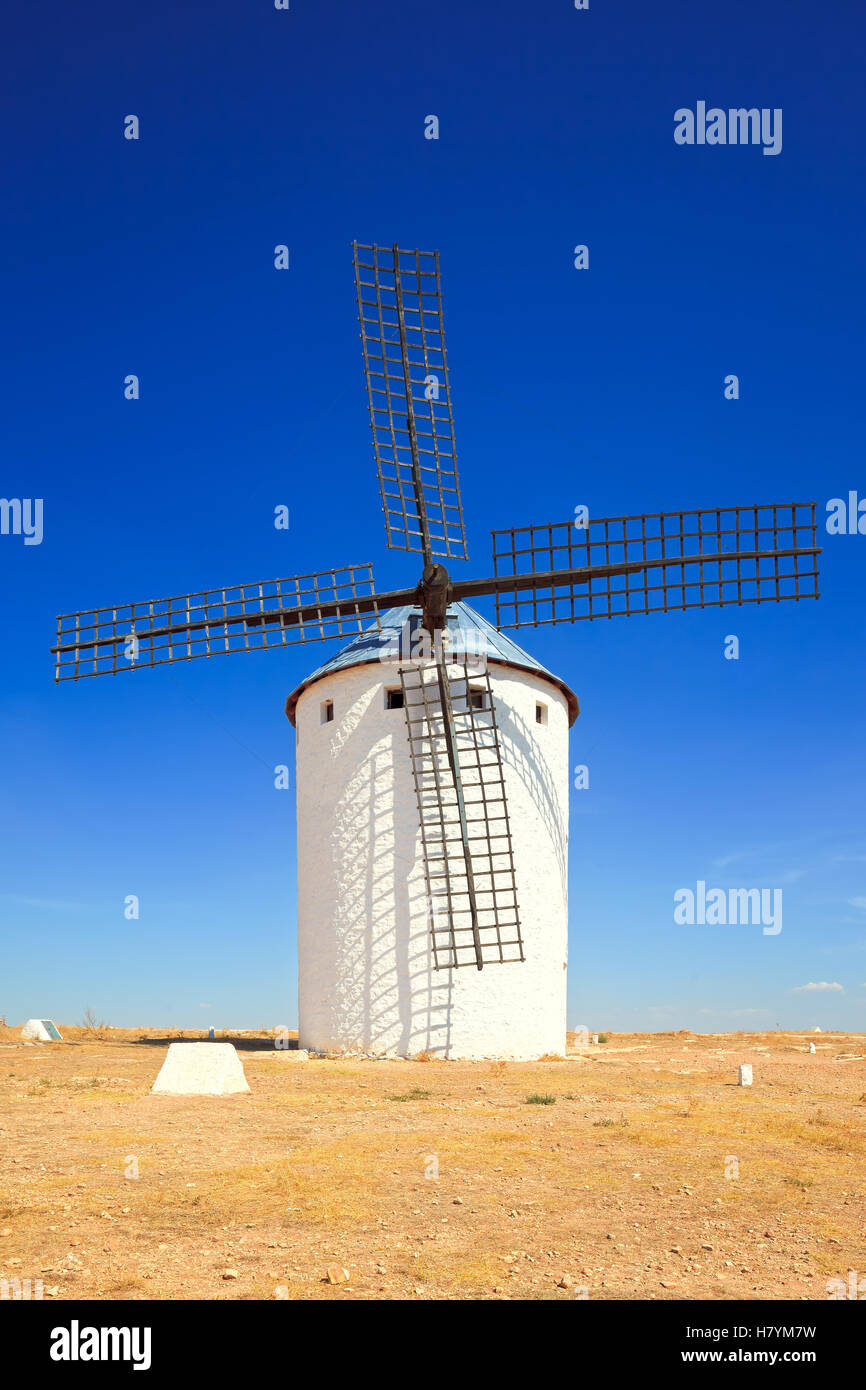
(462, 620)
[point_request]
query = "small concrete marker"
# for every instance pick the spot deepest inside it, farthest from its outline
(745, 1078)
(201, 1069)
(40, 1030)
(812, 1047)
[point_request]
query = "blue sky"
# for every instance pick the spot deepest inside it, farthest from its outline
(602, 387)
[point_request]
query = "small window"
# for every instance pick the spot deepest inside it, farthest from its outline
(476, 698)
(327, 711)
(541, 714)
(394, 697)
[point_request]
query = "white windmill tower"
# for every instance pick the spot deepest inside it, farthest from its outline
(432, 882)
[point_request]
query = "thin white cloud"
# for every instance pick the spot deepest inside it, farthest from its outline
(857, 902)
(819, 987)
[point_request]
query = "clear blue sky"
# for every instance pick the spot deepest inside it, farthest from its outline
(602, 387)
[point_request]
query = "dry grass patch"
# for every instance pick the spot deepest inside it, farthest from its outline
(320, 1165)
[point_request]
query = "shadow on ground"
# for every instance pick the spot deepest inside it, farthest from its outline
(242, 1044)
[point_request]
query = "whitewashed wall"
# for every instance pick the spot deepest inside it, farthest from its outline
(366, 979)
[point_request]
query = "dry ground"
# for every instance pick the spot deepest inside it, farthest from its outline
(652, 1175)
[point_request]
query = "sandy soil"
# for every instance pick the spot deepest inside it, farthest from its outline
(650, 1175)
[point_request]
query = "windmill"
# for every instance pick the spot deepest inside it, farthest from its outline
(542, 574)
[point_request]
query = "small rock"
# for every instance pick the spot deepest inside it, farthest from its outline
(458, 1202)
(565, 1282)
(336, 1274)
(230, 1274)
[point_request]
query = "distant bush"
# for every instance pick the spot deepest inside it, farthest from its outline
(93, 1027)
(537, 1099)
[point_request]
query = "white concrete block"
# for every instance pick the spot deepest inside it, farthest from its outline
(745, 1075)
(201, 1069)
(40, 1030)
(812, 1047)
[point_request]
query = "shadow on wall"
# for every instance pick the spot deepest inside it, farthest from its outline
(387, 995)
(520, 752)
(390, 997)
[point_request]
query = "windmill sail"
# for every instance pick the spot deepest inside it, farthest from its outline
(400, 311)
(466, 838)
(242, 618)
(620, 566)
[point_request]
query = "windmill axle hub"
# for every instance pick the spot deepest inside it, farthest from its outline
(434, 595)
